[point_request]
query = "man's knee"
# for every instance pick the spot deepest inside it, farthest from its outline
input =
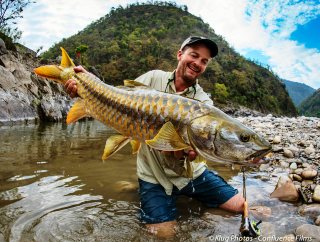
(234, 204)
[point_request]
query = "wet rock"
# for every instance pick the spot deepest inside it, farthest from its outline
(285, 190)
(260, 212)
(316, 194)
(309, 174)
(267, 229)
(317, 221)
(308, 230)
(311, 210)
(289, 238)
(125, 186)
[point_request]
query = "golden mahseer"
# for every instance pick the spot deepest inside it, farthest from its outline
(164, 121)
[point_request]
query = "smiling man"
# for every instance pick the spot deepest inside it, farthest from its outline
(165, 175)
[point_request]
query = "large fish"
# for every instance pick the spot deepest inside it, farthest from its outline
(163, 121)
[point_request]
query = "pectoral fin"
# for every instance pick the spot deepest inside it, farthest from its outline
(167, 139)
(135, 146)
(113, 144)
(77, 111)
(199, 159)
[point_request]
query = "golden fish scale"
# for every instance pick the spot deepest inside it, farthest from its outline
(135, 112)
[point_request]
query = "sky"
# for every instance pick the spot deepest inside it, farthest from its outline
(281, 34)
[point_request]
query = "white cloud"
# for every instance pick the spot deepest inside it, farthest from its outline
(247, 25)
(266, 26)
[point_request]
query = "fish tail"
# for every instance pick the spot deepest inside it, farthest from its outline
(54, 72)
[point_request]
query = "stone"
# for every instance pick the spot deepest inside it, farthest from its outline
(293, 166)
(308, 230)
(284, 164)
(260, 212)
(306, 183)
(289, 238)
(316, 194)
(264, 167)
(276, 139)
(309, 174)
(317, 221)
(125, 186)
(310, 210)
(288, 153)
(285, 190)
(297, 177)
(298, 171)
(309, 150)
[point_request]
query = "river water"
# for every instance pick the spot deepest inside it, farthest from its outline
(54, 187)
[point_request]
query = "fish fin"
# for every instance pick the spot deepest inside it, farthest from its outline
(135, 146)
(113, 144)
(132, 83)
(52, 72)
(167, 139)
(199, 159)
(66, 61)
(78, 111)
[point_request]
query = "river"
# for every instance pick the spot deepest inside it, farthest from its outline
(55, 187)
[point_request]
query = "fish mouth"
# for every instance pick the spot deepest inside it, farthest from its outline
(257, 157)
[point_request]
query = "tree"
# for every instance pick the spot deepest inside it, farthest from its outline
(80, 50)
(10, 10)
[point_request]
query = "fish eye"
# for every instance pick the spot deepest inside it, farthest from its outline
(244, 137)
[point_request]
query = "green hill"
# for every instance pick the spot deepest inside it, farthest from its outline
(298, 91)
(311, 106)
(129, 41)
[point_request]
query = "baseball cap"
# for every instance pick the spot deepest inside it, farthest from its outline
(212, 46)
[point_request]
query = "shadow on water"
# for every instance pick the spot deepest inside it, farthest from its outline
(54, 187)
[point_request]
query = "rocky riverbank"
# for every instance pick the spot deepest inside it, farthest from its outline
(296, 153)
(24, 97)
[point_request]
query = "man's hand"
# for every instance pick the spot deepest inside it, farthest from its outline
(71, 85)
(181, 153)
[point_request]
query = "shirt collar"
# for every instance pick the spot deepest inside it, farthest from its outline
(172, 88)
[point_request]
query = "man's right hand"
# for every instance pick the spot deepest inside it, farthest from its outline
(71, 85)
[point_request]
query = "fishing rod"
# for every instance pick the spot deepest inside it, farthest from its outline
(249, 227)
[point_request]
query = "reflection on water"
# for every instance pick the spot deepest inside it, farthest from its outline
(54, 187)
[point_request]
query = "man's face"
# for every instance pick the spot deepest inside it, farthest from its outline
(193, 61)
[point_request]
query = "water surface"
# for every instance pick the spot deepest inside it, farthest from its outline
(54, 187)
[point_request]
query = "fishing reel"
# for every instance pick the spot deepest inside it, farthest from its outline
(250, 228)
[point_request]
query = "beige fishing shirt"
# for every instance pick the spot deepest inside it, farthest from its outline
(152, 165)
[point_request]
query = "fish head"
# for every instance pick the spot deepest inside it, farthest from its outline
(54, 72)
(226, 140)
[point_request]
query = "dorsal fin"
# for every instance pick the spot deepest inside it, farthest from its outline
(66, 61)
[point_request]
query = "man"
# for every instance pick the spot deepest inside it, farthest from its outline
(163, 175)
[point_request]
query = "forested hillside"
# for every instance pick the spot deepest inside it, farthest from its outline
(311, 106)
(129, 41)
